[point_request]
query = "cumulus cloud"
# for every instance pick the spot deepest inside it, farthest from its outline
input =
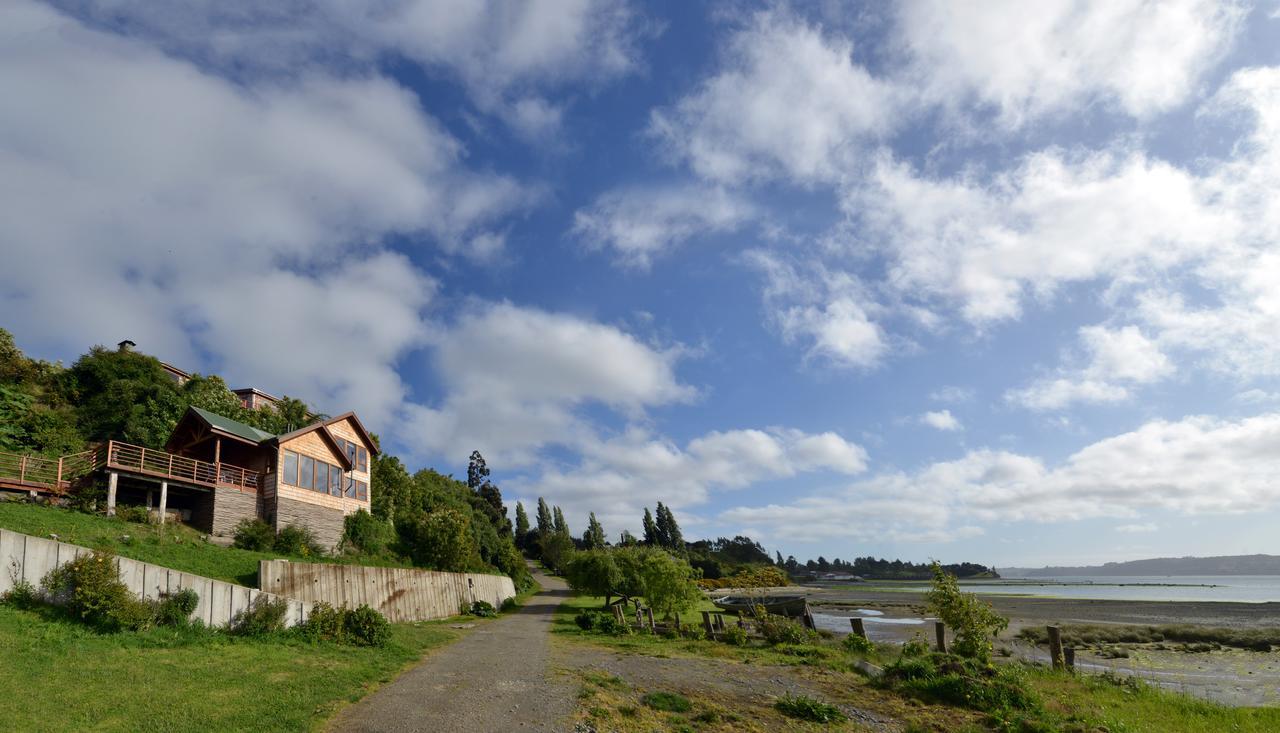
(506, 55)
(642, 223)
(1195, 465)
(621, 475)
(1030, 60)
(941, 420)
(238, 223)
(1118, 359)
(787, 101)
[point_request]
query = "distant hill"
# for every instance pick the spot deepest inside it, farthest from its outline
(1221, 565)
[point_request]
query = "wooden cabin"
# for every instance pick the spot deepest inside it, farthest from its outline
(311, 477)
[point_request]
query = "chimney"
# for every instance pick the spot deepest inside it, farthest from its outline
(126, 345)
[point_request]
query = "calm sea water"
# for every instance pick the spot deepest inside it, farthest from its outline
(1235, 588)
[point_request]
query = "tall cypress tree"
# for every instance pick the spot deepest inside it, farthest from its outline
(650, 529)
(669, 534)
(593, 538)
(522, 525)
(545, 521)
(561, 526)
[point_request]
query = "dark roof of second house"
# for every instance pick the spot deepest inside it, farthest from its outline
(234, 427)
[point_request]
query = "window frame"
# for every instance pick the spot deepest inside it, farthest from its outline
(287, 477)
(302, 461)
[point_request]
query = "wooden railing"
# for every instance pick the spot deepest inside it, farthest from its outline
(40, 472)
(160, 464)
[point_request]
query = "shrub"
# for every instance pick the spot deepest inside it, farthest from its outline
(483, 609)
(857, 644)
(134, 514)
(90, 588)
(964, 682)
(667, 702)
(780, 630)
(22, 595)
(804, 707)
(175, 609)
(299, 541)
(265, 616)
(756, 577)
(324, 623)
(254, 534)
(508, 604)
(586, 620)
(734, 635)
(365, 626)
(365, 533)
(601, 623)
(974, 621)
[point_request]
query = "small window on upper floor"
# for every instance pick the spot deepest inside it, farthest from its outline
(362, 459)
(352, 452)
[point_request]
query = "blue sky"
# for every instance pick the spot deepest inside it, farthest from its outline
(993, 283)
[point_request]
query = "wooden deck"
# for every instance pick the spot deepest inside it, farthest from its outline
(55, 475)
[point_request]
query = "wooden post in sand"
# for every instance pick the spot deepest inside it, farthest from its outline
(1055, 647)
(1069, 656)
(858, 627)
(940, 631)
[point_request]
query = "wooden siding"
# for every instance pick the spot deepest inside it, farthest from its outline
(311, 444)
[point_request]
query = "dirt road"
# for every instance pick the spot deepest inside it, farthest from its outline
(494, 679)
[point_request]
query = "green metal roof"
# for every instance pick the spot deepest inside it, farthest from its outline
(227, 425)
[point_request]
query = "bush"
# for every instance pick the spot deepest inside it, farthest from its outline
(254, 534)
(963, 682)
(857, 644)
(324, 623)
(734, 635)
(22, 595)
(483, 609)
(365, 626)
(508, 604)
(175, 609)
(756, 577)
(586, 620)
(362, 532)
(804, 707)
(601, 623)
(667, 702)
(265, 616)
(780, 630)
(134, 514)
(298, 541)
(90, 588)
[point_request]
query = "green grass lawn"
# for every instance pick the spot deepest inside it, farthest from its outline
(60, 676)
(171, 545)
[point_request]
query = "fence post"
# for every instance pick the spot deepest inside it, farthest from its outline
(940, 631)
(1055, 647)
(706, 624)
(649, 612)
(58, 482)
(1069, 656)
(22, 470)
(617, 613)
(858, 627)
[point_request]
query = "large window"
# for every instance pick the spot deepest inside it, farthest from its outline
(322, 476)
(306, 467)
(357, 489)
(289, 474)
(362, 459)
(335, 481)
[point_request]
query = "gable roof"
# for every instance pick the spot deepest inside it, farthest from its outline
(233, 427)
(325, 435)
(364, 434)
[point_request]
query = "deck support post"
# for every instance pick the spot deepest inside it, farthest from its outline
(112, 478)
(148, 499)
(164, 499)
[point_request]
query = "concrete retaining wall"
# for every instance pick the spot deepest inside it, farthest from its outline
(28, 558)
(401, 594)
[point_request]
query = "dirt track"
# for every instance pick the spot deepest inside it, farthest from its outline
(496, 678)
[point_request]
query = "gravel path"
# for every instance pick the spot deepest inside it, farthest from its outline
(495, 678)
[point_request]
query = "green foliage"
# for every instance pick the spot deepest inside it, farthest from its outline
(974, 621)
(753, 577)
(324, 623)
(667, 702)
(394, 487)
(175, 609)
(522, 526)
(734, 635)
(134, 514)
(857, 644)
(363, 532)
(264, 616)
(365, 626)
(90, 588)
(780, 629)
(601, 623)
(669, 583)
(253, 534)
(298, 541)
(594, 573)
(22, 595)
(557, 548)
(1001, 690)
(483, 609)
(593, 538)
(440, 540)
(803, 707)
(664, 581)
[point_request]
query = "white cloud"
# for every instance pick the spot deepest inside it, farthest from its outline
(1029, 60)
(513, 380)
(953, 394)
(1118, 359)
(1140, 528)
(618, 476)
(237, 222)
(505, 54)
(788, 101)
(642, 223)
(1196, 465)
(941, 420)
(1257, 397)
(829, 311)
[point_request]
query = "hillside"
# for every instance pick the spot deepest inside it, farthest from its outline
(1218, 565)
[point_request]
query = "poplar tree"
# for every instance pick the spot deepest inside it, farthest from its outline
(561, 527)
(593, 538)
(545, 521)
(650, 529)
(522, 525)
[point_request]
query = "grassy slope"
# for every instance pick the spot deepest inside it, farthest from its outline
(171, 545)
(160, 680)
(1075, 703)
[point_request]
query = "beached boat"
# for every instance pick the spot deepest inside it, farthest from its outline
(790, 605)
